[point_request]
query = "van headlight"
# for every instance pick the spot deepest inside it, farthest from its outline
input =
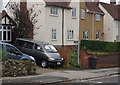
(62, 59)
(51, 59)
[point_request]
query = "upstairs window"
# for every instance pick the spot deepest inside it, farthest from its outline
(98, 17)
(85, 35)
(82, 13)
(54, 11)
(73, 12)
(70, 34)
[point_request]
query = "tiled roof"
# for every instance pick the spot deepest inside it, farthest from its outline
(112, 9)
(94, 7)
(58, 3)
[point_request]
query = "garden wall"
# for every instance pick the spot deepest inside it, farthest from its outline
(17, 68)
(103, 61)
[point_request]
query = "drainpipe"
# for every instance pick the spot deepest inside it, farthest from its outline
(62, 27)
(93, 26)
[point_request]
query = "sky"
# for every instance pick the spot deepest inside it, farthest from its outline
(107, 1)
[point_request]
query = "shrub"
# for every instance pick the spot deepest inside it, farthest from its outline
(100, 46)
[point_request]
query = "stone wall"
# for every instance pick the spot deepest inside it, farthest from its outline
(18, 68)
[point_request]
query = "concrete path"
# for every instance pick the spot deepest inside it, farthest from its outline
(61, 76)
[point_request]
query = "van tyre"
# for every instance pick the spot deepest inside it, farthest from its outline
(44, 64)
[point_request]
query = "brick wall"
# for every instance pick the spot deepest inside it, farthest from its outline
(65, 52)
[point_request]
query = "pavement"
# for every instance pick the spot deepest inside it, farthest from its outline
(63, 76)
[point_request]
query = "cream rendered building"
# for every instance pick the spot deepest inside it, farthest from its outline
(56, 23)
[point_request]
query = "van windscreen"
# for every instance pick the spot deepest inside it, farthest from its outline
(50, 48)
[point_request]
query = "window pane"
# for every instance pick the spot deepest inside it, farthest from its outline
(0, 35)
(9, 35)
(0, 27)
(9, 27)
(29, 45)
(4, 27)
(4, 35)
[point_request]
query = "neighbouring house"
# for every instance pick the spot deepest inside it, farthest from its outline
(111, 21)
(53, 22)
(91, 21)
(6, 26)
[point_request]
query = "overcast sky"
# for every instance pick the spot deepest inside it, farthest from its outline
(107, 1)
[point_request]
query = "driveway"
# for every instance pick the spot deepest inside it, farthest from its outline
(40, 70)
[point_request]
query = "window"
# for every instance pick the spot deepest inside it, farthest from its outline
(70, 34)
(97, 17)
(5, 33)
(74, 12)
(54, 11)
(82, 13)
(85, 35)
(20, 43)
(97, 35)
(54, 34)
(29, 45)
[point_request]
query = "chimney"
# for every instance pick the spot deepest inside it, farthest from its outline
(113, 2)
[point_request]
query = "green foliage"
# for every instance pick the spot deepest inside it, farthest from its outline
(73, 60)
(100, 46)
(3, 55)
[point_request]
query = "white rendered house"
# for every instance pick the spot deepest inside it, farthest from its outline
(111, 22)
(54, 22)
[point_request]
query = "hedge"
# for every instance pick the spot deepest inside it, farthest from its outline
(100, 46)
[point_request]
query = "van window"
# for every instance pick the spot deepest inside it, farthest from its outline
(39, 48)
(29, 45)
(20, 43)
(50, 48)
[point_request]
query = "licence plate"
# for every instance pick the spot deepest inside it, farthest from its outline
(58, 63)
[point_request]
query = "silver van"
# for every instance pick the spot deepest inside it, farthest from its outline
(44, 53)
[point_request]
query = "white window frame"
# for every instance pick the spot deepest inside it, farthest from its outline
(54, 11)
(98, 17)
(54, 34)
(74, 13)
(82, 13)
(97, 35)
(5, 30)
(70, 34)
(85, 35)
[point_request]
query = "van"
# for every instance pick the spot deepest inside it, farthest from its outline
(44, 53)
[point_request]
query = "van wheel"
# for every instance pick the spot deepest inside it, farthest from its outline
(44, 64)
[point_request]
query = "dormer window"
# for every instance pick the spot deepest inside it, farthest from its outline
(73, 12)
(98, 17)
(54, 11)
(82, 13)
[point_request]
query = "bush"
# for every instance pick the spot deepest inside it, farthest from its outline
(3, 55)
(100, 46)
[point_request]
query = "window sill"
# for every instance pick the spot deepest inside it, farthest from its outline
(54, 40)
(82, 18)
(70, 39)
(73, 17)
(53, 15)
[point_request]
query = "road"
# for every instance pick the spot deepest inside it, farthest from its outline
(112, 80)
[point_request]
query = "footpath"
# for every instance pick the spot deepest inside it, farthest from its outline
(63, 76)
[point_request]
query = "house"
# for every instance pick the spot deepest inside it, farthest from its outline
(53, 22)
(91, 21)
(111, 21)
(6, 26)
